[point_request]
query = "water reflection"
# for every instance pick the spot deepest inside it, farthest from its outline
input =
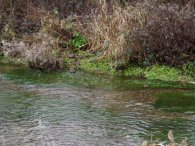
(177, 101)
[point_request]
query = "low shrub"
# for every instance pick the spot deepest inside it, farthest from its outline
(108, 32)
(168, 34)
(96, 66)
(78, 41)
(41, 52)
(134, 71)
(164, 73)
(146, 32)
(159, 72)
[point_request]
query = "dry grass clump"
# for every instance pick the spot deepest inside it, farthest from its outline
(45, 49)
(13, 49)
(40, 51)
(21, 8)
(146, 32)
(61, 29)
(44, 53)
(111, 29)
(24, 16)
(14, 7)
(169, 34)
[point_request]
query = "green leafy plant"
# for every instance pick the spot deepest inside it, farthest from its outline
(78, 40)
(165, 73)
(99, 66)
(188, 69)
(134, 71)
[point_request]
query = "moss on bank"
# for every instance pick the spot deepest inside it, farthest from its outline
(92, 65)
(159, 72)
(154, 72)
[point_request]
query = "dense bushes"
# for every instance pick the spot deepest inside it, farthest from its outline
(26, 14)
(169, 34)
(125, 31)
(147, 33)
(41, 51)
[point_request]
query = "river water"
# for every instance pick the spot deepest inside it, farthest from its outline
(83, 109)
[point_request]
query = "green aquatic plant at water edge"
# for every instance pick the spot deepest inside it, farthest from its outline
(96, 66)
(165, 73)
(134, 71)
(189, 69)
(158, 72)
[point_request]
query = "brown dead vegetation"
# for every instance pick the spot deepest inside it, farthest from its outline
(126, 31)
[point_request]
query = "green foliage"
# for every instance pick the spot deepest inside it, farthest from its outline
(134, 71)
(96, 66)
(158, 72)
(78, 40)
(69, 62)
(189, 68)
(150, 57)
(165, 73)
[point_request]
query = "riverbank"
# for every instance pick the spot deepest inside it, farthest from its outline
(124, 39)
(91, 65)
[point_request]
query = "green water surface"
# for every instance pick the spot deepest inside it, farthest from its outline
(62, 108)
